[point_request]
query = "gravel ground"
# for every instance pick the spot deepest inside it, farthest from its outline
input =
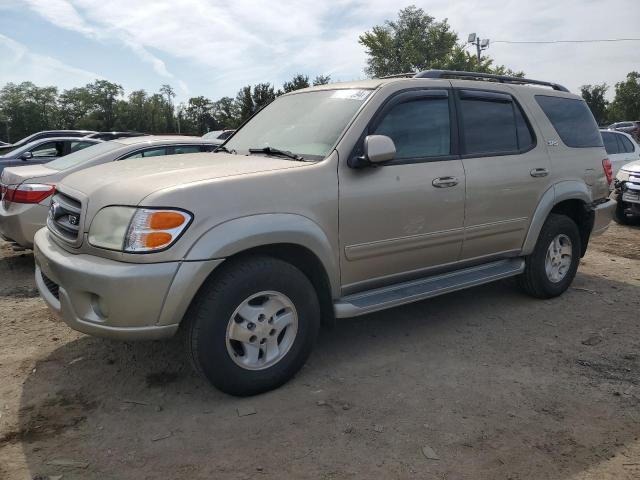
(482, 384)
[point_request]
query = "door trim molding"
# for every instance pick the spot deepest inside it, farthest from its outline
(403, 244)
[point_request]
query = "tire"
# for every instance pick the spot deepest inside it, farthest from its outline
(622, 218)
(535, 280)
(209, 325)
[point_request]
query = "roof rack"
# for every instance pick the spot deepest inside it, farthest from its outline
(487, 76)
(401, 75)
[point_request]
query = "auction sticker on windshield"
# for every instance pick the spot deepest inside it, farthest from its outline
(351, 94)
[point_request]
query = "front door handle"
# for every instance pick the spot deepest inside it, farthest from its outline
(539, 172)
(444, 182)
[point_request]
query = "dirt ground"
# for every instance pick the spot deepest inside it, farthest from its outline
(482, 384)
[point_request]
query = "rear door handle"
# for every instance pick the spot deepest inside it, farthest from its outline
(444, 182)
(539, 172)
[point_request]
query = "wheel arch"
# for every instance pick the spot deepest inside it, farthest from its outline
(288, 237)
(570, 198)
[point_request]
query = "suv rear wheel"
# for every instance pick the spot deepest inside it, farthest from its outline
(252, 325)
(550, 269)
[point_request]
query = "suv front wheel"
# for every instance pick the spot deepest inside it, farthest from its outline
(252, 325)
(550, 269)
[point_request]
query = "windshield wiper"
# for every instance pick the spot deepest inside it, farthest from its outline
(222, 148)
(277, 151)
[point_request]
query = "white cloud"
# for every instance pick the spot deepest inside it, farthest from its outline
(19, 64)
(238, 42)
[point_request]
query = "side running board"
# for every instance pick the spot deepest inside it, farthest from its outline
(412, 291)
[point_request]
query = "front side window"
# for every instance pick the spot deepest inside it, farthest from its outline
(610, 143)
(83, 155)
(307, 124)
(572, 119)
(49, 149)
(419, 128)
(493, 123)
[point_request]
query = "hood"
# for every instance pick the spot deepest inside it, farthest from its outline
(128, 182)
(17, 175)
(633, 167)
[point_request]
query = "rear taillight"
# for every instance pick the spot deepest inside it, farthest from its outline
(28, 192)
(608, 170)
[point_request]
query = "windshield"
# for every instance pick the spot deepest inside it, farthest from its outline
(84, 155)
(212, 134)
(306, 124)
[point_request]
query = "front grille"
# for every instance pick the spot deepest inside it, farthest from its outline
(51, 286)
(64, 217)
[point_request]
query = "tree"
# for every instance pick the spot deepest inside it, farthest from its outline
(594, 95)
(199, 114)
(244, 104)
(415, 42)
(74, 105)
(263, 95)
(626, 103)
(225, 113)
(167, 91)
(296, 83)
(104, 95)
(321, 80)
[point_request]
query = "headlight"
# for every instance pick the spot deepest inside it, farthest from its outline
(622, 176)
(137, 230)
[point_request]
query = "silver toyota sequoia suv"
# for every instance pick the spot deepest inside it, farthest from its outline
(332, 201)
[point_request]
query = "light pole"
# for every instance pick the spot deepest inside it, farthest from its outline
(481, 44)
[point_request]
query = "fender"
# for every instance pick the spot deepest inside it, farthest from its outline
(240, 234)
(559, 192)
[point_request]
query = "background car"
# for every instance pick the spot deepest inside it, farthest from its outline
(632, 128)
(218, 135)
(26, 190)
(114, 135)
(45, 134)
(621, 148)
(44, 150)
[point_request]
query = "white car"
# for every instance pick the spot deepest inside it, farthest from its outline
(621, 148)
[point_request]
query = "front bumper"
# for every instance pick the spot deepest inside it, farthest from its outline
(20, 222)
(603, 214)
(107, 298)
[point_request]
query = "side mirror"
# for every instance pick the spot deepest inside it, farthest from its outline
(26, 156)
(377, 148)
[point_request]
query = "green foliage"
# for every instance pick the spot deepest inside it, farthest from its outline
(321, 80)
(594, 96)
(296, 83)
(626, 104)
(415, 42)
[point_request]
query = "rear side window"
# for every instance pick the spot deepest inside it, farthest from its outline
(610, 143)
(493, 123)
(418, 128)
(153, 152)
(626, 143)
(178, 149)
(75, 146)
(572, 119)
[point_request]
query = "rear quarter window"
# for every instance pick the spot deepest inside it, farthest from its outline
(572, 119)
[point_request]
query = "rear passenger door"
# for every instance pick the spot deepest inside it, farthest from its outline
(507, 171)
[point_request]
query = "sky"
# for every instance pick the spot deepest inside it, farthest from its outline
(214, 47)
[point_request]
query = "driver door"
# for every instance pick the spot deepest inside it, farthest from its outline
(402, 218)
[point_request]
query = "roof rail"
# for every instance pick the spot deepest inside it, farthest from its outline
(401, 75)
(483, 76)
